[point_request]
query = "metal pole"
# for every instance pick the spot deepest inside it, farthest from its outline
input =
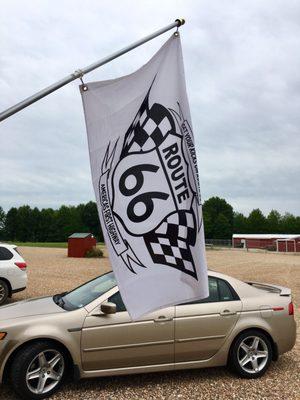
(79, 73)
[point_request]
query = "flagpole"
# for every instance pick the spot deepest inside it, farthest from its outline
(80, 72)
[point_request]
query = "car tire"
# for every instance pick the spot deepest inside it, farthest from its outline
(250, 354)
(4, 292)
(38, 370)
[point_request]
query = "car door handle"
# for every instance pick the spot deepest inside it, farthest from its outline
(224, 313)
(162, 318)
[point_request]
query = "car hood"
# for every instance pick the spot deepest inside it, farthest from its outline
(28, 308)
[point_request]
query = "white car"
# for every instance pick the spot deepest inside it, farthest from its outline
(13, 275)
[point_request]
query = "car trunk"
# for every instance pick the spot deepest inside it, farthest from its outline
(281, 290)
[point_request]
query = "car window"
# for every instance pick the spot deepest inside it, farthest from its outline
(213, 292)
(219, 290)
(5, 254)
(224, 291)
(117, 300)
(17, 250)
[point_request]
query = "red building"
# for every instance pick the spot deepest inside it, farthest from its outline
(80, 243)
(275, 242)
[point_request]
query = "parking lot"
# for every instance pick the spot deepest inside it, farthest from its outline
(50, 271)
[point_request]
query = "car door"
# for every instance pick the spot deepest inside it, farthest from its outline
(202, 327)
(115, 341)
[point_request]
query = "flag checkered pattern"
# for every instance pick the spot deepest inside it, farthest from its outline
(149, 129)
(169, 243)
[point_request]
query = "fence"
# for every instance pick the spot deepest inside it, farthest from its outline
(218, 242)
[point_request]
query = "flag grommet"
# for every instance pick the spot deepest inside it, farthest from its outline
(83, 86)
(79, 74)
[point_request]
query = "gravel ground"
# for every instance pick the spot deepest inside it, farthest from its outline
(51, 271)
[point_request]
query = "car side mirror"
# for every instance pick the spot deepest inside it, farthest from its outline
(108, 308)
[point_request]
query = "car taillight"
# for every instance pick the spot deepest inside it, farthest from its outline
(21, 265)
(291, 308)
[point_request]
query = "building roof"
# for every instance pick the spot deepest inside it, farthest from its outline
(79, 235)
(265, 236)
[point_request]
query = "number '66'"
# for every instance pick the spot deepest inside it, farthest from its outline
(145, 198)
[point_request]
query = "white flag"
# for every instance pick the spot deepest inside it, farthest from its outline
(145, 177)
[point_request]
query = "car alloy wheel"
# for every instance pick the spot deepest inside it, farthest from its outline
(3, 292)
(45, 371)
(253, 354)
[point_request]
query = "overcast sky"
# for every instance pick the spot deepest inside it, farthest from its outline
(242, 63)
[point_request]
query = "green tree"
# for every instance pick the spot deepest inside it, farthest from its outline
(256, 222)
(212, 209)
(47, 225)
(208, 225)
(24, 228)
(2, 223)
(2, 218)
(289, 223)
(298, 224)
(274, 222)
(68, 221)
(239, 223)
(34, 223)
(11, 223)
(222, 228)
(90, 219)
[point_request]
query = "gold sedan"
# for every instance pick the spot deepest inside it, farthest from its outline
(88, 333)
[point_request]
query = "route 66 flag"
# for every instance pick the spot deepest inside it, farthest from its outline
(145, 177)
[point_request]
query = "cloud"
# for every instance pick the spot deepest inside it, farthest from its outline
(242, 69)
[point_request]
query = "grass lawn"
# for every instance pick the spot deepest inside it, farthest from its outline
(61, 245)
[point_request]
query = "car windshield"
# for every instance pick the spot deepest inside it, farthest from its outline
(86, 293)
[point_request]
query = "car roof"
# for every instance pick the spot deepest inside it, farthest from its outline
(243, 289)
(8, 245)
(218, 274)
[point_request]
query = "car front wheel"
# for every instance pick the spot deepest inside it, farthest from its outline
(38, 370)
(251, 354)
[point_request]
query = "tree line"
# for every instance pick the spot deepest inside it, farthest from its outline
(26, 224)
(220, 221)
